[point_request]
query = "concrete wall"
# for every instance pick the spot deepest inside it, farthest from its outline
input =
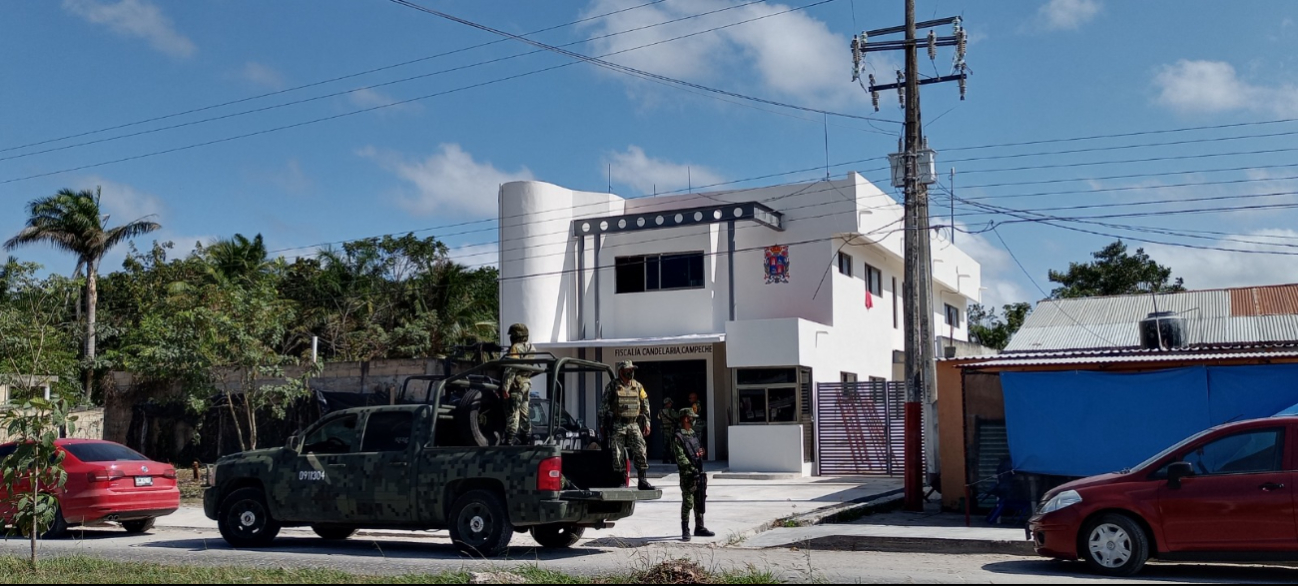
(781, 448)
(89, 424)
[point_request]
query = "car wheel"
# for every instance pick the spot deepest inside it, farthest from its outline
(139, 525)
(333, 532)
(57, 529)
(479, 419)
(245, 521)
(1114, 545)
(557, 536)
(480, 524)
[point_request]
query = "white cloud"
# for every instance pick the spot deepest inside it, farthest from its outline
(1212, 269)
(476, 255)
(1195, 87)
(1067, 14)
(1000, 274)
(122, 202)
(792, 54)
(135, 18)
(263, 75)
(649, 175)
(447, 181)
(368, 98)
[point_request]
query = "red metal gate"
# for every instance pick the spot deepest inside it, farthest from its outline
(860, 427)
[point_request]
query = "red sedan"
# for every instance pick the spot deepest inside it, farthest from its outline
(110, 482)
(1224, 494)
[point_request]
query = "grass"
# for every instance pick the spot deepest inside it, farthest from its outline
(191, 491)
(88, 570)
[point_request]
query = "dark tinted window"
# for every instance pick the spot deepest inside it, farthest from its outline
(338, 436)
(102, 453)
(682, 271)
(630, 274)
(767, 376)
(655, 272)
(1253, 451)
(389, 432)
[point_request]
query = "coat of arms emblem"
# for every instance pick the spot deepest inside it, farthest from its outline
(777, 264)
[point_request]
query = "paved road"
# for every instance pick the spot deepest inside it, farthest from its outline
(433, 553)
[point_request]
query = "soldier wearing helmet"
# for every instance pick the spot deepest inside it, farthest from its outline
(516, 390)
(689, 453)
(626, 408)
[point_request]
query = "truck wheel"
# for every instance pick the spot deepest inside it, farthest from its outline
(333, 532)
(480, 524)
(244, 519)
(139, 525)
(1114, 545)
(557, 536)
(480, 418)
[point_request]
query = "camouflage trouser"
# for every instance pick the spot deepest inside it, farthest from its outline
(628, 443)
(692, 497)
(517, 417)
(668, 434)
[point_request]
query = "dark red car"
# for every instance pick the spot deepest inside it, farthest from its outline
(110, 482)
(1224, 494)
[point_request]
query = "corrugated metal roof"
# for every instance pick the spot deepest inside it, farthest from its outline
(1126, 358)
(1221, 317)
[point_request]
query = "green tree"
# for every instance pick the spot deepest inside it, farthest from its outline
(1114, 272)
(238, 258)
(994, 331)
(34, 472)
(72, 221)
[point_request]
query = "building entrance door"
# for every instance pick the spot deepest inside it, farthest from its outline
(678, 379)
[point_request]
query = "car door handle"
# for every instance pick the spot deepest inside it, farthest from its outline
(1270, 486)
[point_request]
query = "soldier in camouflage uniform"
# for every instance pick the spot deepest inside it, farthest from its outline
(694, 482)
(626, 412)
(517, 390)
(669, 419)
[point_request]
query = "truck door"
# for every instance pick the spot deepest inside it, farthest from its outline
(320, 483)
(387, 491)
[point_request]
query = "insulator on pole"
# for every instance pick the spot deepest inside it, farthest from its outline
(856, 58)
(962, 85)
(874, 94)
(901, 89)
(932, 45)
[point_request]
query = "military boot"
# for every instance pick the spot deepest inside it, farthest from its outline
(644, 484)
(685, 530)
(700, 530)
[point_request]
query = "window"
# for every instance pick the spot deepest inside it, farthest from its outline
(388, 432)
(952, 316)
(874, 281)
(894, 303)
(878, 389)
(847, 377)
(97, 452)
(767, 395)
(1253, 451)
(337, 436)
(845, 263)
(658, 272)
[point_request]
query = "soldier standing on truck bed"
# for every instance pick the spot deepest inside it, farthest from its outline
(516, 389)
(626, 411)
(694, 482)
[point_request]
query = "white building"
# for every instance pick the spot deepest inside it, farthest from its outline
(681, 285)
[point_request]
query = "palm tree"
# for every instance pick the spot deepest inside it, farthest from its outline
(238, 257)
(72, 221)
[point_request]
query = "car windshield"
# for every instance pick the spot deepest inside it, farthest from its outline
(96, 452)
(1169, 450)
(540, 415)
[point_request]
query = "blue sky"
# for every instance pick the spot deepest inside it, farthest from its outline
(1055, 71)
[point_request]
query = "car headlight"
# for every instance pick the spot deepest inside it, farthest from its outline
(1062, 500)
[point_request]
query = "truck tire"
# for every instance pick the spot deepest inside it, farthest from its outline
(557, 535)
(480, 525)
(245, 521)
(480, 418)
(333, 532)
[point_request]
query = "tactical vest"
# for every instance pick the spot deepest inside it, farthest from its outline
(520, 351)
(628, 401)
(689, 443)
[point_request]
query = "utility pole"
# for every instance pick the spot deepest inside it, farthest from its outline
(913, 169)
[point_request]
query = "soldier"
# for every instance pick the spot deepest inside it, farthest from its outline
(668, 418)
(516, 390)
(626, 411)
(694, 482)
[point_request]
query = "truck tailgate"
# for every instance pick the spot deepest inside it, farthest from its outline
(611, 494)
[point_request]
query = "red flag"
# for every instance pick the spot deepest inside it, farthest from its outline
(869, 301)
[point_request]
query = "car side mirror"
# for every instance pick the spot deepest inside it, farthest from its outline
(1176, 471)
(581, 423)
(295, 443)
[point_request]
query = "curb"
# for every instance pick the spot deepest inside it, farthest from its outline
(844, 511)
(916, 545)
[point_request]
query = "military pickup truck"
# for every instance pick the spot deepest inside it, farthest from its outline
(407, 466)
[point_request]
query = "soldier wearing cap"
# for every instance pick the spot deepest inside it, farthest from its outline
(694, 482)
(626, 409)
(669, 419)
(516, 390)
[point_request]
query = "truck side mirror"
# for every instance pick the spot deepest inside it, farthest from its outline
(295, 443)
(1176, 471)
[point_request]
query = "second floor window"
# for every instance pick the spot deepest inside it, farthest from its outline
(952, 316)
(874, 281)
(845, 263)
(659, 272)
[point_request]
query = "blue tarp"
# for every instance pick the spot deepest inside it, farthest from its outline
(1080, 423)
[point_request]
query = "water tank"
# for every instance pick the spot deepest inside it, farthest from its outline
(1162, 330)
